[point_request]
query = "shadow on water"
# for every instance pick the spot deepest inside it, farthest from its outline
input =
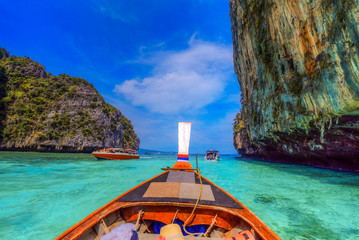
(265, 199)
(299, 221)
(323, 175)
(308, 226)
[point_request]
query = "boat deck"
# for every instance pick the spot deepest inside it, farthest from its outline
(180, 186)
(167, 197)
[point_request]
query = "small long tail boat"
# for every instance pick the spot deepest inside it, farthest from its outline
(179, 195)
(116, 154)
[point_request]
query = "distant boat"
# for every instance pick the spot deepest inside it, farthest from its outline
(179, 198)
(116, 154)
(212, 155)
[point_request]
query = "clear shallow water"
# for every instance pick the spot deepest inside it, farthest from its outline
(43, 194)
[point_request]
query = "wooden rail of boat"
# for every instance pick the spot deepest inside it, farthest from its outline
(228, 221)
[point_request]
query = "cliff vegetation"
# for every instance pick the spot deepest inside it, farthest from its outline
(42, 112)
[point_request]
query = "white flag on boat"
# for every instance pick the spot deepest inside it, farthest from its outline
(184, 133)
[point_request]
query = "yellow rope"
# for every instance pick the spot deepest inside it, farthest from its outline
(211, 226)
(140, 213)
(148, 230)
(195, 206)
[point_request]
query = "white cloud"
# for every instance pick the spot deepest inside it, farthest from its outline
(185, 80)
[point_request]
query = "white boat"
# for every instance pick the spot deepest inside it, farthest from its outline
(211, 155)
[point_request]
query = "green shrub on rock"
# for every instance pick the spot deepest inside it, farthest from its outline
(39, 109)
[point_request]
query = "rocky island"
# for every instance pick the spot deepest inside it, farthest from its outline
(297, 64)
(42, 112)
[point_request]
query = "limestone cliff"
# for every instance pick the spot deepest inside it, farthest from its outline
(298, 68)
(41, 112)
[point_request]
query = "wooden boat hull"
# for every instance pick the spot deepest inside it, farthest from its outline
(115, 156)
(230, 216)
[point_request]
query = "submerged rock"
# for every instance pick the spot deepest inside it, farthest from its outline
(41, 112)
(297, 64)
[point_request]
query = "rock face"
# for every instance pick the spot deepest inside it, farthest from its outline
(298, 68)
(41, 112)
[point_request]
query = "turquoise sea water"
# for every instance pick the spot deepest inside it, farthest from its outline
(43, 194)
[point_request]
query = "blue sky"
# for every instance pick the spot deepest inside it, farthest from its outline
(157, 61)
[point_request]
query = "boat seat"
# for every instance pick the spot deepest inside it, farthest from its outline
(180, 190)
(176, 176)
(146, 236)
